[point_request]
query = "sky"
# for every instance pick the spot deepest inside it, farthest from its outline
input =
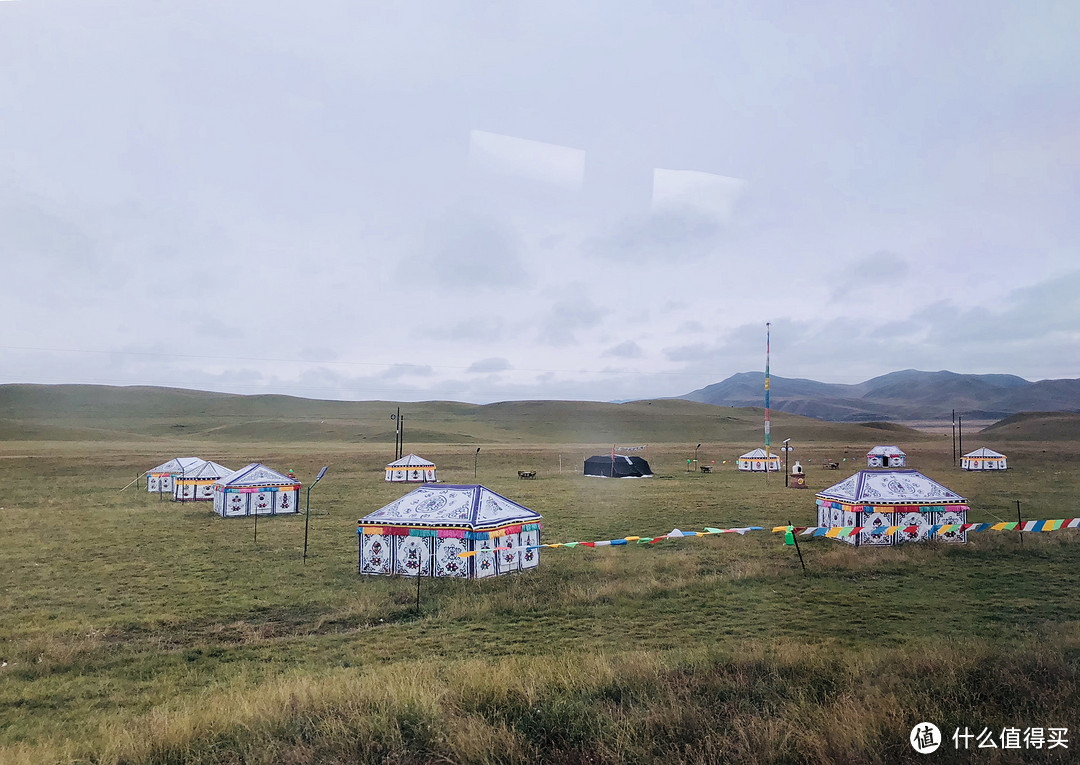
(486, 201)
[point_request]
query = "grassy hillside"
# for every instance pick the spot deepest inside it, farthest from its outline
(73, 412)
(1036, 426)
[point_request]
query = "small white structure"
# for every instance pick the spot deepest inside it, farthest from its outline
(757, 462)
(198, 484)
(432, 526)
(886, 456)
(983, 459)
(411, 469)
(256, 489)
(887, 507)
(160, 479)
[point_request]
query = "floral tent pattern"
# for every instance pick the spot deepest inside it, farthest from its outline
(160, 479)
(411, 469)
(425, 532)
(256, 489)
(875, 500)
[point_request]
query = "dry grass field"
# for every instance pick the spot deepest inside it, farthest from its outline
(137, 630)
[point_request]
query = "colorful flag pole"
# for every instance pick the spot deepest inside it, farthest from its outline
(767, 422)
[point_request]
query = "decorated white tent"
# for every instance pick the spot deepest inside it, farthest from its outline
(435, 524)
(983, 459)
(198, 484)
(756, 462)
(411, 469)
(256, 489)
(160, 479)
(891, 506)
(886, 456)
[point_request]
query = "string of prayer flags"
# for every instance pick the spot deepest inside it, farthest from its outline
(829, 532)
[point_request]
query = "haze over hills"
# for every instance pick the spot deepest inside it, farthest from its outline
(908, 395)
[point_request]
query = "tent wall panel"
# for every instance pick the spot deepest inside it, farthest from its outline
(484, 563)
(871, 521)
(412, 555)
(286, 501)
(530, 558)
(236, 504)
(376, 554)
(447, 562)
(951, 517)
(917, 519)
(509, 560)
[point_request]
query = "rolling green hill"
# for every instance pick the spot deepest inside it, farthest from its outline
(88, 412)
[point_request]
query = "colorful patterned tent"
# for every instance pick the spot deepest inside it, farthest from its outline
(411, 469)
(160, 479)
(886, 456)
(756, 462)
(983, 459)
(905, 501)
(440, 522)
(198, 484)
(256, 489)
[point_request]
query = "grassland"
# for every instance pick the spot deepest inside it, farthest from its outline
(142, 631)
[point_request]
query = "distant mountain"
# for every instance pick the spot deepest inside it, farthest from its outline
(907, 395)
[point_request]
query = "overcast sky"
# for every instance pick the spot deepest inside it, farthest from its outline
(484, 201)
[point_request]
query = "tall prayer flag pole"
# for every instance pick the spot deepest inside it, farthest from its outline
(767, 422)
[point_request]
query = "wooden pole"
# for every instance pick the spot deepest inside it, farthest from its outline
(1019, 522)
(419, 569)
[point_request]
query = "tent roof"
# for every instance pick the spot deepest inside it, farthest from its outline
(886, 450)
(984, 452)
(411, 460)
(464, 506)
(209, 469)
(256, 474)
(757, 454)
(178, 465)
(886, 487)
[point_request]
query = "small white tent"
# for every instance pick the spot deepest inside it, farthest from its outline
(432, 526)
(411, 469)
(886, 456)
(757, 462)
(198, 484)
(983, 459)
(256, 489)
(160, 479)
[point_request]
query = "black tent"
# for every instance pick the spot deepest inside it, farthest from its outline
(622, 466)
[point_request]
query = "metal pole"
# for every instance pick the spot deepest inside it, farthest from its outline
(359, 550)
(1019, 522)
(307, 514)
(256, 518)
(795, 539)
(695, 457)
(418, 570)
(954, 437)
(476, 458)
(787, 451)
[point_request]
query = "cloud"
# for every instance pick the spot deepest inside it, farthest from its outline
(625, 350)
(881, 270)
(567, 317)
(462, 249)
(489, 365)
